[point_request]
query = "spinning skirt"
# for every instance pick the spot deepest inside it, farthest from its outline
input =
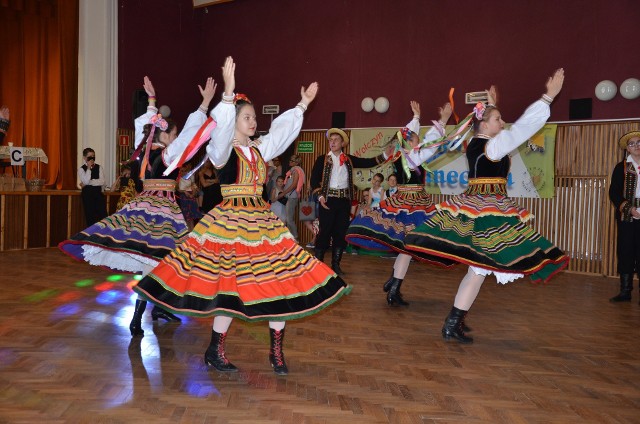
(136, 237)
(241, 261)
(385, 229)
(486, 229)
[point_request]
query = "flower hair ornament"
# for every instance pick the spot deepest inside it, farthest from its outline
(159, 122)
(479, 110)
(406, 134)
(242, 97)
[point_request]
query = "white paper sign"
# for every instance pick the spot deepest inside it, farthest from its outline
(17, 156)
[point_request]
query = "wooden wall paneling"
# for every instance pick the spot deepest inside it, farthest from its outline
(69, 217)
(59, 218)
(77, 222)
(48, 241)
(112, 201)
(25, 229)
(14, 222)
(3, 219)
(36, 221)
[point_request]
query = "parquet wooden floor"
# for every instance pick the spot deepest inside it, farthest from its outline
(559, 353)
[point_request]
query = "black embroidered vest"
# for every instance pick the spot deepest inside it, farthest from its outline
(480, 166)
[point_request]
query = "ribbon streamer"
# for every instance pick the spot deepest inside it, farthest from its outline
(453, 108)
(189, 174)
(203, 135)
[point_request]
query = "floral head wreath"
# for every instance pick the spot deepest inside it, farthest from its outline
(406, 133)
(158, 122)
(479, 110)
(242, 97)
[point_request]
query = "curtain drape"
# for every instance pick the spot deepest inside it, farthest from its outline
(39, 80)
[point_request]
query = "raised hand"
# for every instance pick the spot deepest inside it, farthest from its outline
(309, 93)
(492, 96)
(148, 87)
(445, 112)
(554, 83)
(415, 108)
(208, 91)
(229, 76)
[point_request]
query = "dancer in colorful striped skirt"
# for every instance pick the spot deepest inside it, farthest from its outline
(146, 229)
(240, 260)
(483, 227)
(386, 228)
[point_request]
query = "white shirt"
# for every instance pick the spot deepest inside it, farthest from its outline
(527, 125)
(85, 177)
(339, 174)
(284, 130)
(417, 157)
(175, 149)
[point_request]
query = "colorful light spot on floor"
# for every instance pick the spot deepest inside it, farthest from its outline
(40, 296)
(104, 286)
(115, 277)
(85, 283)
(66, 310)
(109, 297)
(69, 296)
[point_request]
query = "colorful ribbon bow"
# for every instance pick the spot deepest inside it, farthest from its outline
(479, 110)
(158, 122)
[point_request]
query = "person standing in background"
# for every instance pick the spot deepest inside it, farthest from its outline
(91, 177)
(624, 193)
(332, 181)
(293, 185)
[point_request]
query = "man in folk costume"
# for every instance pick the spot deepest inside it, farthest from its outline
(332, 181)
(624, 193)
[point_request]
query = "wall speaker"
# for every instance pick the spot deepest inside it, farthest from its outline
(140, 103)
(338, 119)
(580, 108)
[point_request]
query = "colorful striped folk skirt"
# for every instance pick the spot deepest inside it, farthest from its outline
(385, 229)
(136, 237)
(241, 261)
(484, 228)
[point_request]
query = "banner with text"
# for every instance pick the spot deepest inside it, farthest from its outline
(532, 164)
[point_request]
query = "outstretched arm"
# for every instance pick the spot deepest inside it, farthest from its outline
(219, 148)
(142, 120)
(207, 94)
(286, 127)
(414, 124)
(529, 123)
(420, 156)
(193, 124)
